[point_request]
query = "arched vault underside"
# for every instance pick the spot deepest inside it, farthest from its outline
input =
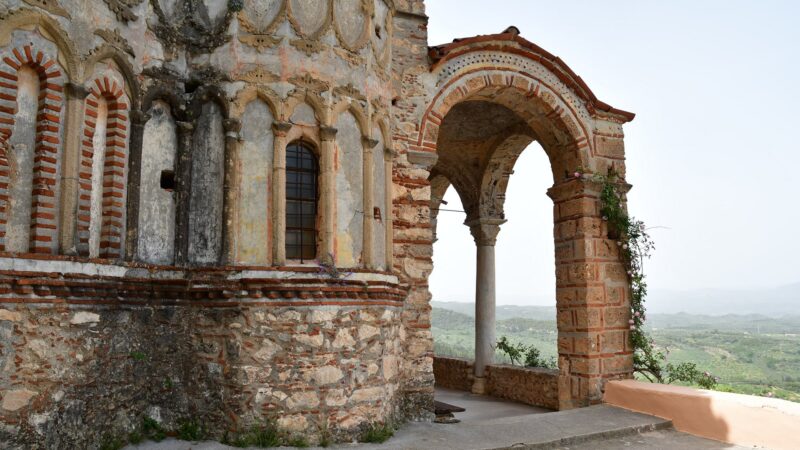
(495, 95)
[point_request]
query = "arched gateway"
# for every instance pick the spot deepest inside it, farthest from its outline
(228, 218)
(494, 95)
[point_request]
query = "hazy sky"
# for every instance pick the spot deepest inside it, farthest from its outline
(712, 152)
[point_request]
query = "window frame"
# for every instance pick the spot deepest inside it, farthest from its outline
(296, 252)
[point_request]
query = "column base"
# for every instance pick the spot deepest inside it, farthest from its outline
(479, 385)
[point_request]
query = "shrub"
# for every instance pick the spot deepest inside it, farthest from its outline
(377, 434)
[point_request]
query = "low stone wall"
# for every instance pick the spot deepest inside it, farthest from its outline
(87, 356)
(532, 386)
(744, 420)
(453, 373)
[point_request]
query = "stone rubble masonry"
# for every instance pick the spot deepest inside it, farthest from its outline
(93, 338)
(323, 355)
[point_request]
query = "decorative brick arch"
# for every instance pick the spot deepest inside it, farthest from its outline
(114, 167)
(577, 131)
(47, 150)
(516, 90)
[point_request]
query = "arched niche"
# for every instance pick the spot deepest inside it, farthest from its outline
(254, 165)
(349, 192)
(157, 197)
(206, 196)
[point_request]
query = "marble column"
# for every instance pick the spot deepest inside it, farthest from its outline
(73, 124)
(230, 207)
(484, 231)
(183, 189)
(328, 194)
(138, 122)
(280, 130)
(369, 201)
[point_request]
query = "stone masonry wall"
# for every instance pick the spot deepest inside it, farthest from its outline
(529, 385)
(77, 366)
(453, 373)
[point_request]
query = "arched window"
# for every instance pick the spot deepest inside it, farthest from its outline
(301, 202)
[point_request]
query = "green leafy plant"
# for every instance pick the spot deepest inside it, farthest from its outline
(135, 437)
(111, 443)
(191, 430)
(152, 430)
(521, 354)
(635, 246)
(263, 436)
(138, 356)
(298, 441)
(512, 350)
(377, 433)
(325, 439)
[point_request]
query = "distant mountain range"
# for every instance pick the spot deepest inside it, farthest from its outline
(776, 302)
(455, 315)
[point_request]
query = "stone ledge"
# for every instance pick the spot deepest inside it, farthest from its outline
(533, 386)
(734, 418)
(530, 385)
(65, 281)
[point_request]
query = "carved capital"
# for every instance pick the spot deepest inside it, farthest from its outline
(139, 117)
(485, 231)
(281, 128)
(368, 143)
(75, 91)
(232, 128)
(184, 127)
(327, 133)
(424, 160)
(232, 125)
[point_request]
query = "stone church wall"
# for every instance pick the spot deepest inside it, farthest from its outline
(143, 270)
(143, 170)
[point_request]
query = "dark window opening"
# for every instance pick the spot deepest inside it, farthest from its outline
(301, 202)
(168, 180)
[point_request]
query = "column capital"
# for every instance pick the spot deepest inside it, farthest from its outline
(184, 127)
(281, 128)
(232, 128)
(327, 133)
(579, 186)
(232, 125)
(75, 91)
(368, 143)
(139, 117)
(485, 230)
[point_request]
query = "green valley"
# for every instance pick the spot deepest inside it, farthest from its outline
(751, 354)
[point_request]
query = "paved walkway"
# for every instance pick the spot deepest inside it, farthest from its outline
(495, 424)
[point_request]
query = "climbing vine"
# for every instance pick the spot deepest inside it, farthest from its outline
(635, 246)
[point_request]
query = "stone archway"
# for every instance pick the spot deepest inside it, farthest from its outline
(494, 96)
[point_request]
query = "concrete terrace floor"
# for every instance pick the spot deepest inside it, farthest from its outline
(490, 423)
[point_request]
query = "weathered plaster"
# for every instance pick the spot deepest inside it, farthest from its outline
(157, 205)
(206, 197)
(254, 166)
(22, 143)
(349, 194)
